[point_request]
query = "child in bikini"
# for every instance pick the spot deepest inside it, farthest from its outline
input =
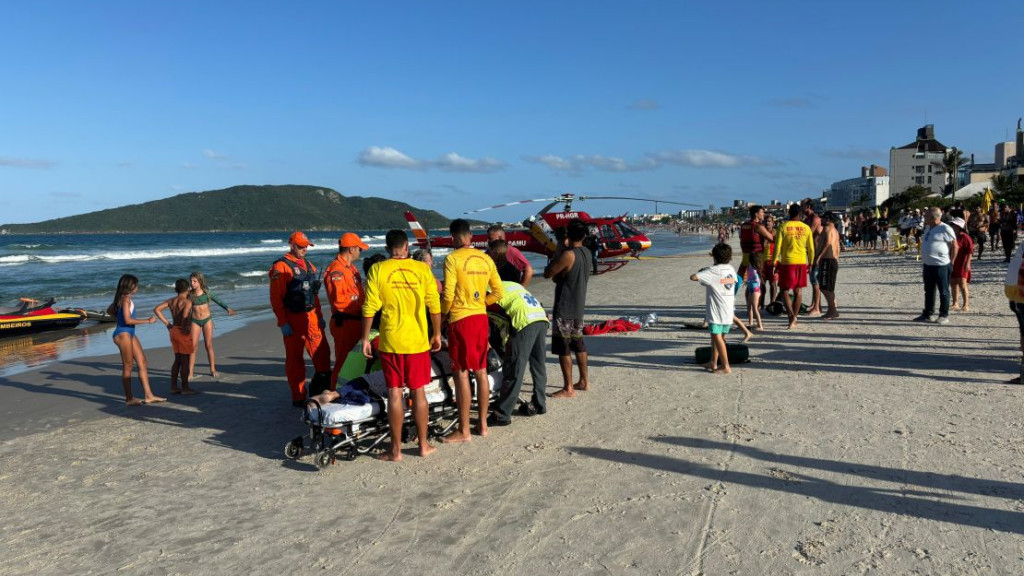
(202, 321)
(180, 330)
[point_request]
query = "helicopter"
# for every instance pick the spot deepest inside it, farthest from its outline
(616, 238)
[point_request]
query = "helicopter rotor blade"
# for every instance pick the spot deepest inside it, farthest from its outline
(553, 200)
(638, 199)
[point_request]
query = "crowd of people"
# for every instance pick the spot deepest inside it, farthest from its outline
(779, 261)
(416, 315)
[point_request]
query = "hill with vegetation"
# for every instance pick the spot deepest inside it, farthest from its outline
(242, 209)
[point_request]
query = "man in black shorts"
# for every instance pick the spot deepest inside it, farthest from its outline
(570, 268)
(827, 253)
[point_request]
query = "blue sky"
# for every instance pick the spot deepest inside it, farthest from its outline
(457, 105)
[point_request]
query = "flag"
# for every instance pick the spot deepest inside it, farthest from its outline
(986, 200)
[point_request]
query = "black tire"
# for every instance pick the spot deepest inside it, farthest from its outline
(324, 459)
(293, 450)
(351, 454)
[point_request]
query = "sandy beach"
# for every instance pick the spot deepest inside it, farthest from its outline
(864, 445)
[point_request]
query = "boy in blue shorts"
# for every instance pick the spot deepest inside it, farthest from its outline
(720, 301)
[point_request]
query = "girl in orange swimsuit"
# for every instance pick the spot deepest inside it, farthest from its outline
(202, 321)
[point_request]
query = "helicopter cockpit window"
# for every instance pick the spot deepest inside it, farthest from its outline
(627, 230)
(607, 233)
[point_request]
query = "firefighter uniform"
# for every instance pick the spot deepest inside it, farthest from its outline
(294, 298)
(345, 293)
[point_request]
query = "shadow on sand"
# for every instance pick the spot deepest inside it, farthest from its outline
(934, 502)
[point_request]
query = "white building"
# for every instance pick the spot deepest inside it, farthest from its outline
(918, 163)
(868, 191)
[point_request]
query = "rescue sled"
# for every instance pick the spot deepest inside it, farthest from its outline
(34, 316)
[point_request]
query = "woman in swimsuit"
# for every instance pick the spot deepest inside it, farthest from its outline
(124, 337)
(202, 321)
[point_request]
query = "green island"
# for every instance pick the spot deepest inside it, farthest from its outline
(243, 208)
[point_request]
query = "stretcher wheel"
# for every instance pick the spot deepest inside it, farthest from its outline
(351, 454)
(324, 459)
(293, 449)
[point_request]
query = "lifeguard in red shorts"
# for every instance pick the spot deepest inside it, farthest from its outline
(795, 251)
(403, 290)
(294, 288)
(468, 274)
(344, 287)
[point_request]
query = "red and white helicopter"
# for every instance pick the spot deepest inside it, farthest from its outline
(615, 236)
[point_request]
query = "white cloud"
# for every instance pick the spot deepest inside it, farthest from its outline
(709, 159)
(189, 166)
(452, 162)
(212, 155)
(645, 105)
(579, 162)
(652, 161)
(26, 163)
(386, 157)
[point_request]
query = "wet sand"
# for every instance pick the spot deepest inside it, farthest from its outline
(867, 444)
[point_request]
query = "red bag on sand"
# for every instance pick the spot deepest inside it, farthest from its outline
(609, 326)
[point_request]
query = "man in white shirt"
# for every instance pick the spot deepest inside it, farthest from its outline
(938, 251)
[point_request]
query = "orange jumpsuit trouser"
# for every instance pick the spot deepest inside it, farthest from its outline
(305, 335)
(345, 338)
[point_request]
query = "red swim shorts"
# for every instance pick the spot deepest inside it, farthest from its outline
(467, 343)
(181, 341)
(792, 276)
(406, 370)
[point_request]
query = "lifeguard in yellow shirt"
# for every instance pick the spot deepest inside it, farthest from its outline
(404, 290)
(794, 251)
(468, 273)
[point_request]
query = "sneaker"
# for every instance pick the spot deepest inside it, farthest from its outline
(942, 320)
(493, 420)
(924, 318)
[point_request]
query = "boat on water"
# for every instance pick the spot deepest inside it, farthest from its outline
(34, 316)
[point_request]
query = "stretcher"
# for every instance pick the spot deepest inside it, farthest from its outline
(346, 429)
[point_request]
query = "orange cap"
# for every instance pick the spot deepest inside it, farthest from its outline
(349, 240)
(299, 239)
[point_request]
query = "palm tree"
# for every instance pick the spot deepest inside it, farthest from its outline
(951, 164)
(1002, 183)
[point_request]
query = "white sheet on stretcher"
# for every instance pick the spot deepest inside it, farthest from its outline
(336, 414)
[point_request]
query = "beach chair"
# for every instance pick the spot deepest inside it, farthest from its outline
(899, 246)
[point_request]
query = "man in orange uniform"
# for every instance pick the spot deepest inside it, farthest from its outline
(468, 273)
(294, 288)
(403, 290)
(345, 293)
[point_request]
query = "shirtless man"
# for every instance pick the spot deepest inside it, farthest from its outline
(977, 227)
(827, 258)
(813, 222)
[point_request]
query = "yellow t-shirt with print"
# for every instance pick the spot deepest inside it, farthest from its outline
(468, 273)
(404, 290)
(793, 242)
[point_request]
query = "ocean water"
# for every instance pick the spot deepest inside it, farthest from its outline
(81, 271)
